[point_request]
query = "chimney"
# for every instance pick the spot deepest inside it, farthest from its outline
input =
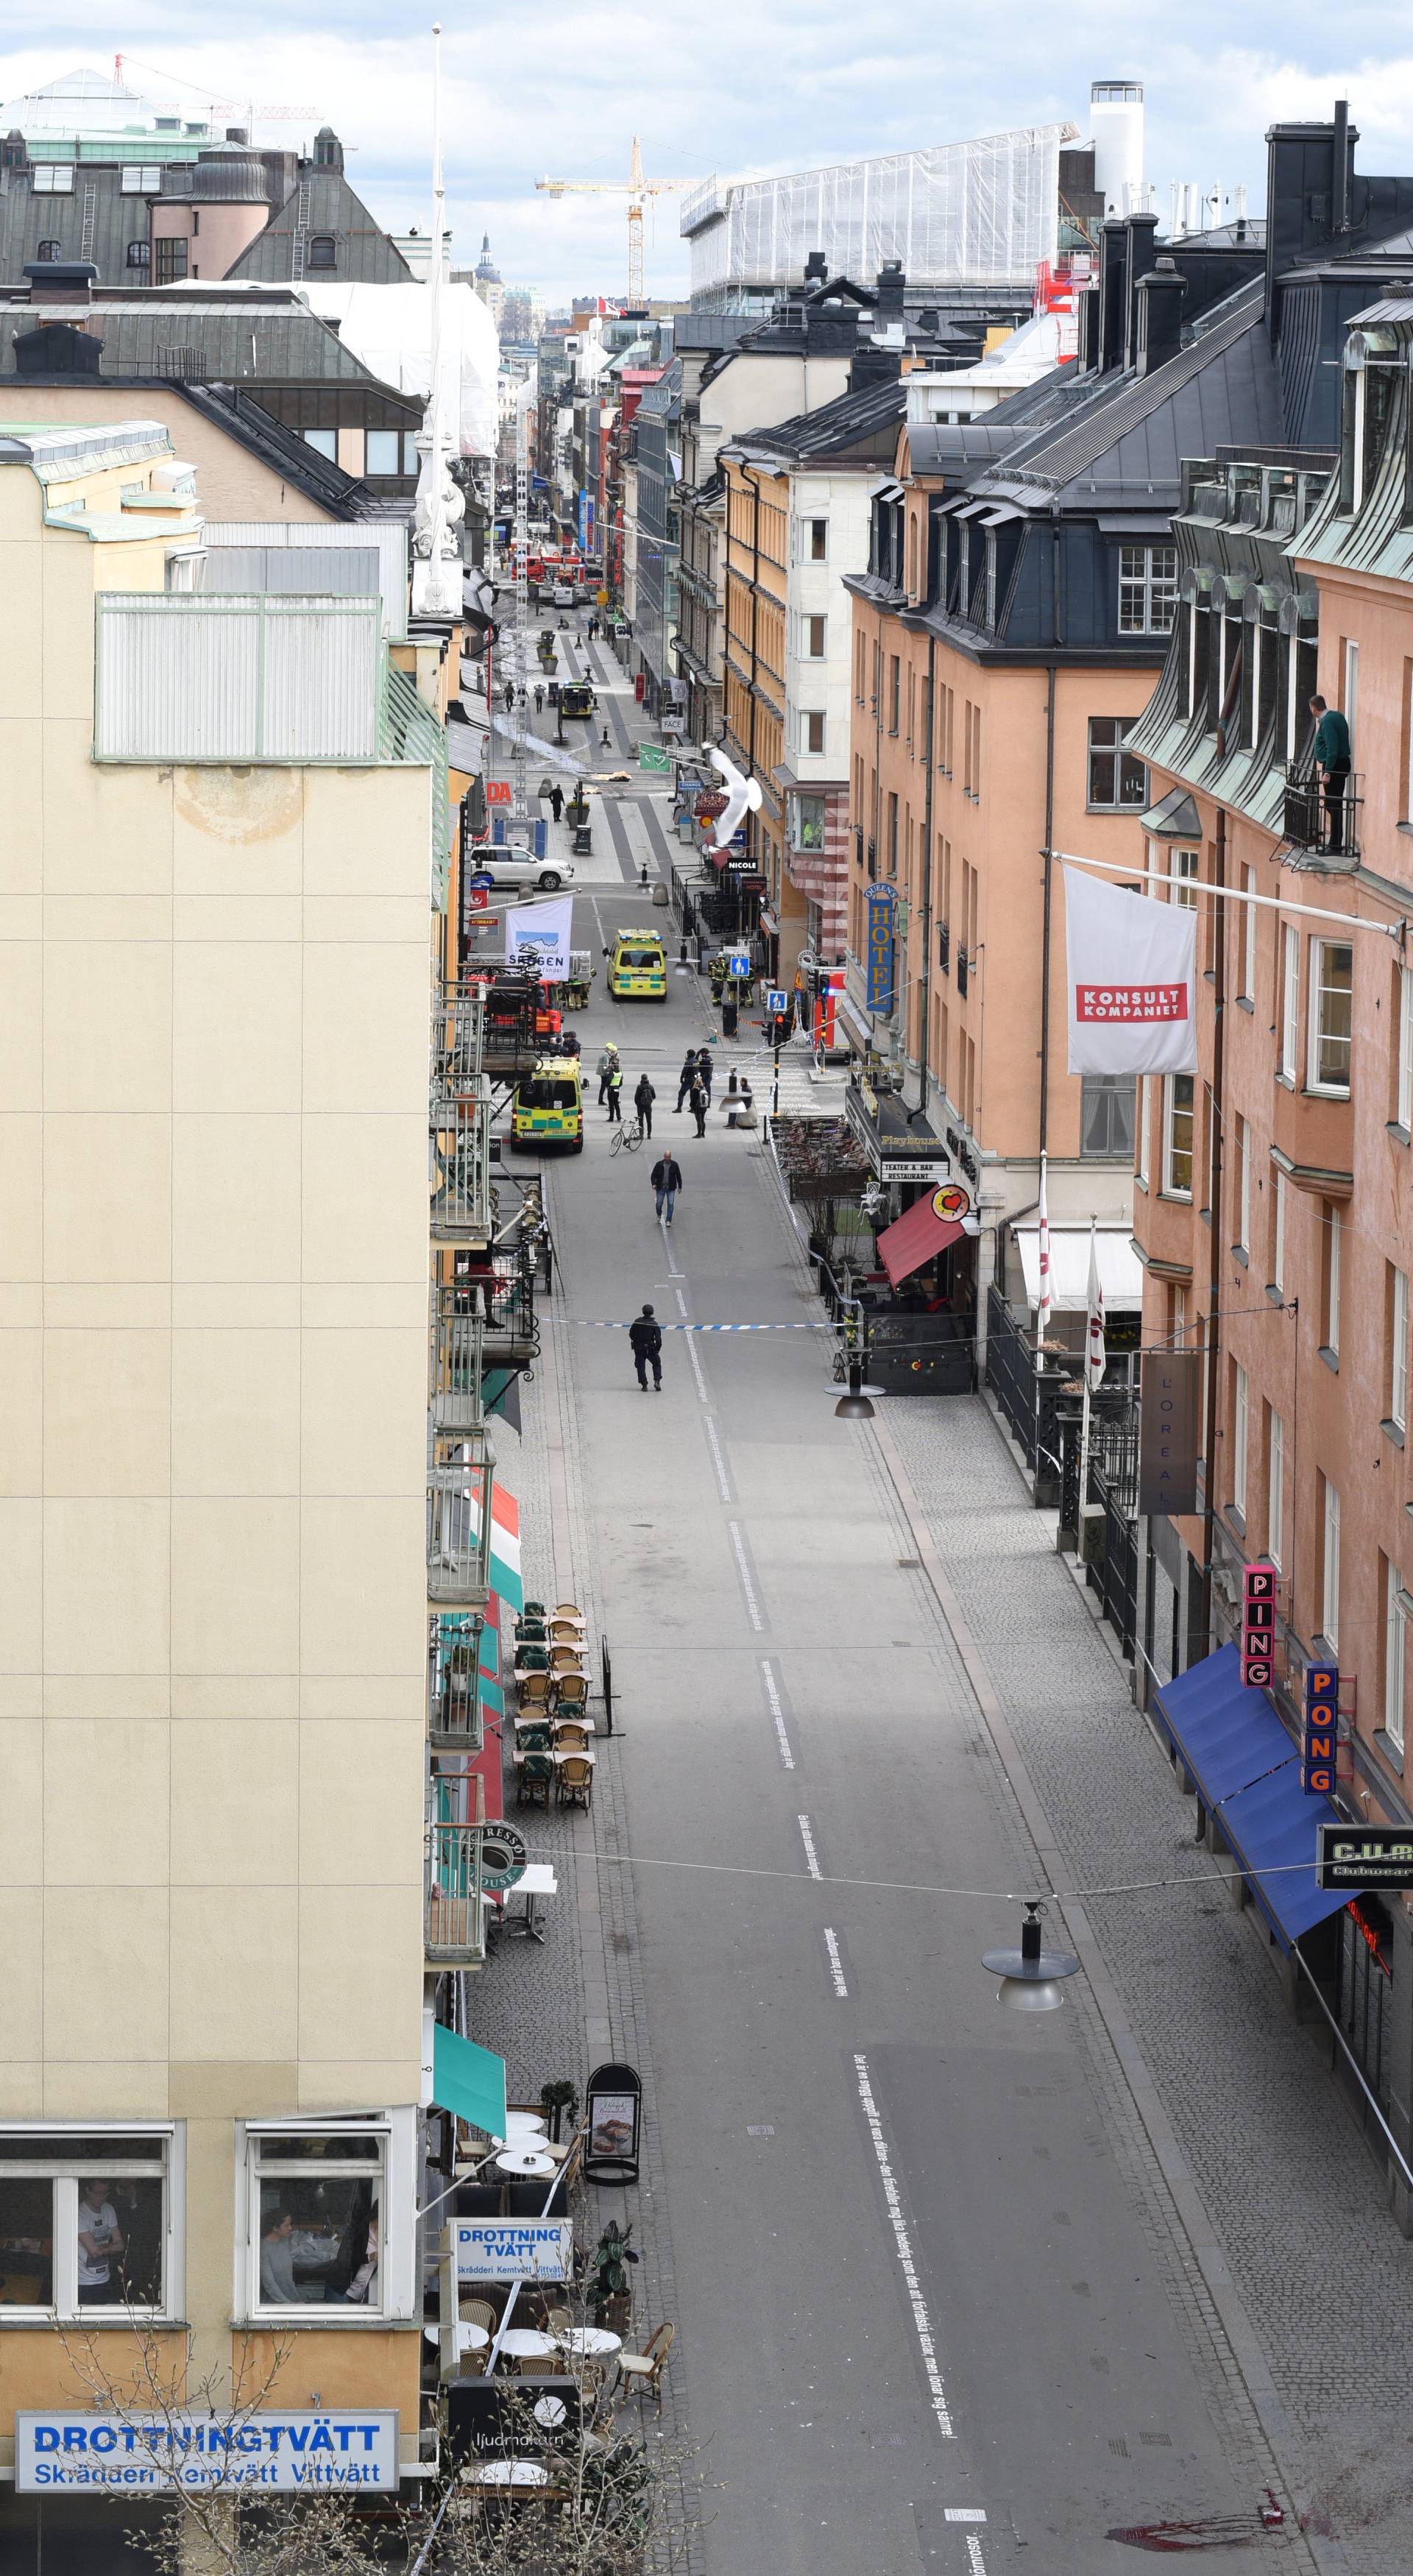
(61, 281)
(1142, 232)
(816, 268)
(1113, 246)
(888, 305)
(328, 151)
(1311, 195)
(1160, 299)
(1088, 309)
(237, 134)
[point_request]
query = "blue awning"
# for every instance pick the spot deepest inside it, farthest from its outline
(1271, 1826)
(1234, 1747)
(1227, 1735)
(469, 2081)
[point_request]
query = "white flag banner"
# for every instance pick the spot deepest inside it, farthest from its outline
(1095, 1355)
(540, 933)
(1042, 1319)
(1131, 969)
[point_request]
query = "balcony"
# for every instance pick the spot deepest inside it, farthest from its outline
(478, 1323)
(458, 1528)
(460, 1171)
(454, 1898)
(454, 1723)
(1312, 1141)
(1312, 829)
(458, 1044)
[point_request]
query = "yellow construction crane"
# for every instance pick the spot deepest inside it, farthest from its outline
(635, 187)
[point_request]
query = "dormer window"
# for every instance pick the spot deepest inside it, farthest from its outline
(53, 179)
(322, 250)
(1370, 360)
(48, 250)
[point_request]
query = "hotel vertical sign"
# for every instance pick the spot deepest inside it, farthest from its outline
(881, 948)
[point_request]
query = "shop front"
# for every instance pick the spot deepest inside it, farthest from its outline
(917, 1292)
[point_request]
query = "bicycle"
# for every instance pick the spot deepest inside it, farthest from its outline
(627, 1139)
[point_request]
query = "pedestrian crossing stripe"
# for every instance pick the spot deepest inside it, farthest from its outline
(604, 1324)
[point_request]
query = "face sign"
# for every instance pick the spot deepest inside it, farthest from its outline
(951, 1203)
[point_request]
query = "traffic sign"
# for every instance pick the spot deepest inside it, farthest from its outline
(482, 877)
(738, 965)
(776, 1003)
(478, 895)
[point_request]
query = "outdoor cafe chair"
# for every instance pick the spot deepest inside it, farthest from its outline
(575, 1780)
(571, 1737)
(568, 1610)
(571, 1690)
(535, 1690)
(643, 2370)
(533, 1774)
(565, 1659)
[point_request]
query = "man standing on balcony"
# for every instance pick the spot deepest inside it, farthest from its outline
(1332, 762)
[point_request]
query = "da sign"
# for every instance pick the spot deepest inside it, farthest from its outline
(277, 2453)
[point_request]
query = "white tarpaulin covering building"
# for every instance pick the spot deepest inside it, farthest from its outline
(389, 328)
(960, 214)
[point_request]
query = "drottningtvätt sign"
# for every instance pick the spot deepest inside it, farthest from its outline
(513, 2249)
(302, 2450)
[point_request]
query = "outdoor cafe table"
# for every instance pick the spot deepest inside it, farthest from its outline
(526, 2343)
(535, 1881)
(524, 2162)
(590, 2343)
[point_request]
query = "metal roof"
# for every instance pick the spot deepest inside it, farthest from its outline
(363, 251)
(237, 337)
(846, 422)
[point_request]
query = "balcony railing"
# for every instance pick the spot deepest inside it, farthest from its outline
(480, 1323)
(459, 1526)
(455, 1932)
(454, 1721)
(963, 971)
(1326, 825)
(460, 1176)
(458, 1044)
(944, 946)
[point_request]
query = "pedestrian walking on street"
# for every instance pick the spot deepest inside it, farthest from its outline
(685, 1079)
(666, 1181)
(699, 1102)
(645, 1335)
(539, 695)
(508, 693)
(643, 1099)
(605, 738)
(615, 1086)
(607, 1063)
(556, 800)
(704, 1072)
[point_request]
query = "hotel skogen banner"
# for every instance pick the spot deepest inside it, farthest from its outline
(1131, 967)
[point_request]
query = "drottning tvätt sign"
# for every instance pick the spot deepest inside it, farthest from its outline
(514, 2249)
(307, 2449)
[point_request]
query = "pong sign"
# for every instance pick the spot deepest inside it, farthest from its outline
(1258, 1626)
(1319, 1738)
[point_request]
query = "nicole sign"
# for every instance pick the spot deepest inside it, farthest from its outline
(1131, 969)
(283, 2453)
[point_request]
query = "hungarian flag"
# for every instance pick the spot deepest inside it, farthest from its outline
(1132, 975)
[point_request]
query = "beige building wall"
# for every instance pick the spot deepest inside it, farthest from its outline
(233, 484)
(213, 1281)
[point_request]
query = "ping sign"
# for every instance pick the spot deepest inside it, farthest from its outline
(1319, 1734)
(1258, 1626)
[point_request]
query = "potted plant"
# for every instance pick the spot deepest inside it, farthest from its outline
(559, 2097)
(610, 2286)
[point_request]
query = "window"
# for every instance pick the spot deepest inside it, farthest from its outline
(1278, 1233)
(814, 633)
(893, 692)
(322, 250)
(1141, 1167)
(1329, 1589)
(324, 442)
(1398, 1348)
(1177, 1135)
(807, 822)
(1106, 1114)
(1242, 1136)
(1184, 872)
(1275, 1484)
(1331, 1283)
(172, 253)
(317, 2227)
(817, 531)
(384, 449)
(892, 836)
(1396, 1607)
(49, 250)
(1290, 1002)
(139, 254)
(1246, 945)
(140, 179)
(1240, 1409)
(411, 461)
(813, 723)
(53, 179)
(1350, 699)
(86, 2217)
(1148, 589)
(1331, 1014)
(1403, 1090)
(1116, 780)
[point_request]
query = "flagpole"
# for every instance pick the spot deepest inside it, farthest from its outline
(1042, 1303)
(1094, 1358)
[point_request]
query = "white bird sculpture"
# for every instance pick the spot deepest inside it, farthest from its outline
(743, 796)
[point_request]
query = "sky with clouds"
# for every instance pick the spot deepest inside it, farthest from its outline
(536, 85)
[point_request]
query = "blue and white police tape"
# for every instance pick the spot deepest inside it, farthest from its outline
(610, 1324)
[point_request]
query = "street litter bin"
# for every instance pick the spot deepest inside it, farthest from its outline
(583, 840)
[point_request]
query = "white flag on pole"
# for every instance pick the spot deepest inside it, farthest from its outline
(1131, 970)
(1094, 1351)
(1042, 1315)
(538, 935)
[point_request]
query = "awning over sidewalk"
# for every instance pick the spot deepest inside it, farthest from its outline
(1236, 1750)
(1119, 1274)
(469, 2081)
(505, 1542)
(913, 1238)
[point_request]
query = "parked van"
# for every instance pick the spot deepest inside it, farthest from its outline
(637, 967)
(549, 1105)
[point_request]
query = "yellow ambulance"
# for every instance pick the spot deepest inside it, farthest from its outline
(637, 967)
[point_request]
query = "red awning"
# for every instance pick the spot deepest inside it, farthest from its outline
(913, 1238)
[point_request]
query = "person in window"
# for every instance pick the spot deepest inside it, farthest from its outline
(278, 2286)
(100, 2246)
(362, 2290)
(1332, 764)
